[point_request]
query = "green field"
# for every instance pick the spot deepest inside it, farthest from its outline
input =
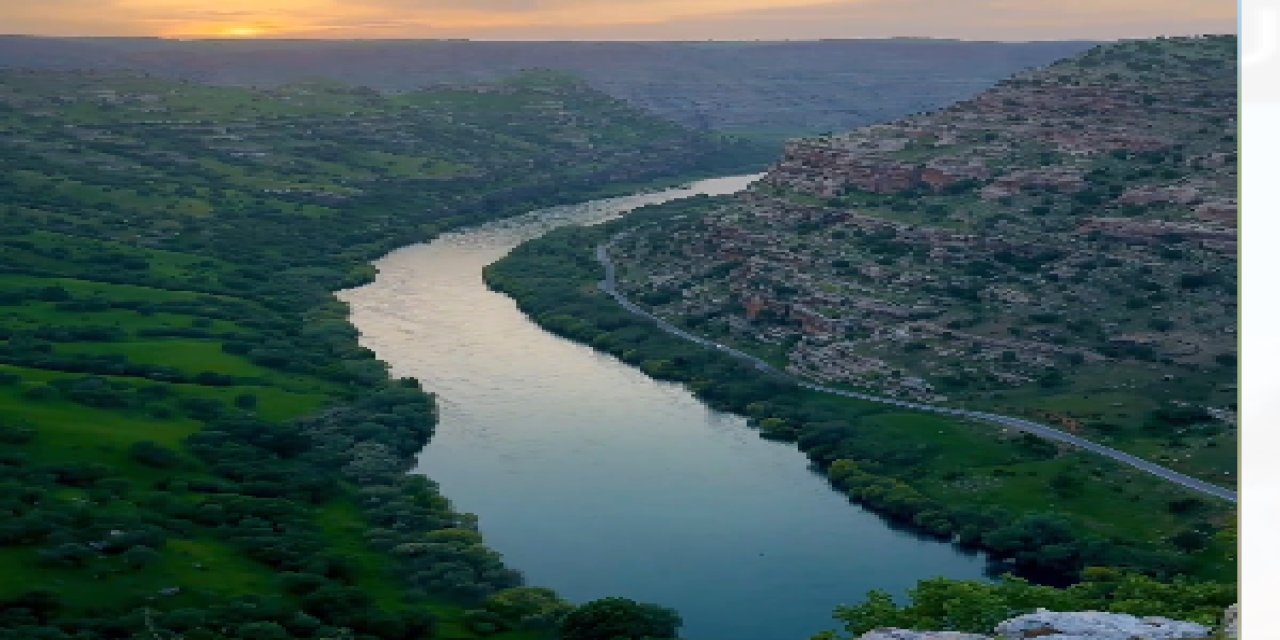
(192, 442)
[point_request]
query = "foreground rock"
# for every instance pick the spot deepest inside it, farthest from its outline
(1231, 623)
(1092, 625)
(905, 634)
(1051, 625)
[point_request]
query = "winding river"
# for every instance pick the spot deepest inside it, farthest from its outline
(595, 480)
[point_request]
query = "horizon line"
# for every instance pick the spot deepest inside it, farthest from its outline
(221, 39)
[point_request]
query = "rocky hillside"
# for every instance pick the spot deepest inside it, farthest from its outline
(1061, 246)
(769, 90)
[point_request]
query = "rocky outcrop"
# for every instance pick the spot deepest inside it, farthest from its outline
(1080, 625)
(1156, 232)
(905, 634)
(1231, 623)
(1093, 625)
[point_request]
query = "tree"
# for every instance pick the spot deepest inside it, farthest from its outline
(264, 630)
(140, 556)
(528, 607)
(617, 619)
(1067, 483)
(69, 554)
(878, 610)
(155, 455)
(30, 607)
(959, 605)
(1191, 540)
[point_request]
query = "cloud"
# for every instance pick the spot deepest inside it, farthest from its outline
(627, 19)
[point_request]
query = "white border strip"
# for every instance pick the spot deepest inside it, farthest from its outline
(1259, 317)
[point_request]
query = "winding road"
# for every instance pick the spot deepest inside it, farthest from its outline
(609, 286)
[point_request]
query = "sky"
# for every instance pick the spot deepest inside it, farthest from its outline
(621, 19)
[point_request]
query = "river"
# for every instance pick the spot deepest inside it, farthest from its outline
(595, 480)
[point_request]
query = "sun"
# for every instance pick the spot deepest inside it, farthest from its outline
(241, 32)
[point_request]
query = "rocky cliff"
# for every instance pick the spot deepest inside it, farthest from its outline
(1061, 246)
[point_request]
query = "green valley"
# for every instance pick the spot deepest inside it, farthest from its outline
(194, 445)
(197, 444)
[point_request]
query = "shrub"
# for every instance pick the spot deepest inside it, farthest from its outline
(154, 455)
(618, 619)
(16, 435)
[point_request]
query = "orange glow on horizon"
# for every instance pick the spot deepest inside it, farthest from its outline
(620, 19)
(242, 32)
(391, 18)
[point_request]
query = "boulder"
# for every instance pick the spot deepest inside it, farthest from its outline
(907, 634)
(1093, 625)
(1231, 623)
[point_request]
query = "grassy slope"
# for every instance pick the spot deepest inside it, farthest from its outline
(138, 209)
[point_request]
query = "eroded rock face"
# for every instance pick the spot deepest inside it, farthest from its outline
(957, 252)
(906, 634)
(1093, 625)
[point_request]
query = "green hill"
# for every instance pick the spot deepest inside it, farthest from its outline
(194, 445)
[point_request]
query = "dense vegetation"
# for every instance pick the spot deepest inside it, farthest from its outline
(977, 607)
(1044, 512)
(192, 443)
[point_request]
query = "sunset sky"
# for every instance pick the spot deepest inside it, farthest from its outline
(620, 19)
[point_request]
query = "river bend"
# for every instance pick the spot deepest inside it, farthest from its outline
(595, 480)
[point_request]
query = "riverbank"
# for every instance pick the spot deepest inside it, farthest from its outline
(1049, 512)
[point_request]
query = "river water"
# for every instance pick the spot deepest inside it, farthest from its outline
(595, 480)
